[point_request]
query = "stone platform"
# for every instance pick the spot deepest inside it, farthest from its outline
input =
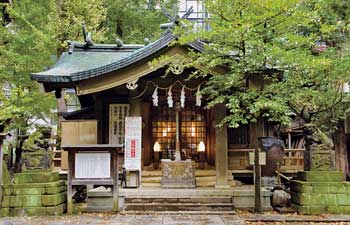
(33, 194)
(191, 201)
(318, 192)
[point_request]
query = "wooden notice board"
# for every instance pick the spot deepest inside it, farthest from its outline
(79, 132)
(75, 132)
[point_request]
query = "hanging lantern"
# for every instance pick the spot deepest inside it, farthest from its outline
(182, 97)
(155, 97)
(199, 96)
(170, 99)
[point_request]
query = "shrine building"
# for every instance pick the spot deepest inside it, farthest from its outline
(116, 81)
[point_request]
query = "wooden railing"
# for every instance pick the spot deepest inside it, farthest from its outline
(238, 160)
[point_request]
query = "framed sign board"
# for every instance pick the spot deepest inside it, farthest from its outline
(117, 114)
(93, 165)
(133, 135)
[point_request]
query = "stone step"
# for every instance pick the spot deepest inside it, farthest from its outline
(151, 179)
(151, 184)
(178, 206)
(150, 212)
(198, 173)
(199, 200)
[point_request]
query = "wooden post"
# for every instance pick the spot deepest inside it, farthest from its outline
(71, 160)
(115, 174)
(257, 181)
(2, 136)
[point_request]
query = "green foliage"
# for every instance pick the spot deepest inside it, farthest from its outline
(29, 44)
(133, 21)
(275, 68)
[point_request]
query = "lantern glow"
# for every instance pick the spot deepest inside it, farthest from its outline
(201, 147)
(156, 147)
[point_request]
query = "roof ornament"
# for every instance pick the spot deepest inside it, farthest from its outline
(71, 47)
(87, 36)
(173, 17)
(119, 42)
(177, 69)
(132, 84)
(147, 41)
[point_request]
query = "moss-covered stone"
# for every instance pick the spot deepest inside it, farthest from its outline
(36, 185)
(36, 177)
(314, 209)
(6, 178)
(314, 199)
(53, 200)
(320, 187)
(321, 176)
(34, 200)
(321, 192)
(14, 190)
(34, 211)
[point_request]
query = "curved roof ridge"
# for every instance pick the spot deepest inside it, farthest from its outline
(136, 56)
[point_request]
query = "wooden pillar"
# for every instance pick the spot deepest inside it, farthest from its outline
(147, 134)
(135, 107)
(71, 174)
(221, 155)
(115, 174)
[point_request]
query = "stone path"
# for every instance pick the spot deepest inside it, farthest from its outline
(110, 219)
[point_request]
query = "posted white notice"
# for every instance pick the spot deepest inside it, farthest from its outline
(133, 135)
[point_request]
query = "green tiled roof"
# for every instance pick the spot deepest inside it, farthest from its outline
(89, 62)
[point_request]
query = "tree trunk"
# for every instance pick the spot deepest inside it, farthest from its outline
(18, 159)
(341, 156)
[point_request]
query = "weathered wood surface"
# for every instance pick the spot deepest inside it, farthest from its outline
(91, 147)
(79, 132)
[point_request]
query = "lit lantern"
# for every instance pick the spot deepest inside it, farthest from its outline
(201, 147)
(156, 147)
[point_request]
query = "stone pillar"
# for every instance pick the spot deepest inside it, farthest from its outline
(221, 155)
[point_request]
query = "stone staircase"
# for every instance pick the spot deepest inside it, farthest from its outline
(203, 199)
(178, 201)
(204, 178)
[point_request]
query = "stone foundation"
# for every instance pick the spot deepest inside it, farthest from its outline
(34, 194)
(318, 192)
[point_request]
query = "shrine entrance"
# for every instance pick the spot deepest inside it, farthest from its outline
(183, 128)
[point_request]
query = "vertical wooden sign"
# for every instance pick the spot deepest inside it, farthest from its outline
(117, 114)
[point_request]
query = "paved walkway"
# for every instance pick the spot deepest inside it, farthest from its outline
(111, 219)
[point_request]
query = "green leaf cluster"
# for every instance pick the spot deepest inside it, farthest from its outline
(284, 59)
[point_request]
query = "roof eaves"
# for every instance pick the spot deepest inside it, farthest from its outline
(133, 58)
(50, 78)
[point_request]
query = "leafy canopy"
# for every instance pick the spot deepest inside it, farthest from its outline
(38, 34)
(276, 66)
